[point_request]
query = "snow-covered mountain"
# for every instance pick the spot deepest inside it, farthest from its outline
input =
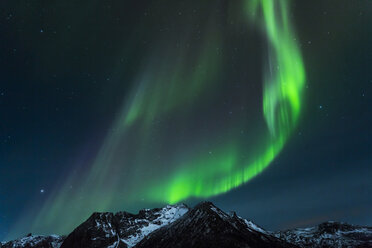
(329, 234)
(205, 225)
(122, 229)
(31, 241)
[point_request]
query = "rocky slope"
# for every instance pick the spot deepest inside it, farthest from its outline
(205, 225)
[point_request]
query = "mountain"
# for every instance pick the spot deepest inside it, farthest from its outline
(205, 225)
(122, 229)
(329, 234)
(31, 241)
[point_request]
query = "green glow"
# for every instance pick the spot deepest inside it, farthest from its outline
(123, 173)
(283, 86)
(160, 93)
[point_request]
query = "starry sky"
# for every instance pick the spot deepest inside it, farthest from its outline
(263, 107)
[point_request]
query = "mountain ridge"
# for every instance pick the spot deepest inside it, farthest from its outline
(204, 225)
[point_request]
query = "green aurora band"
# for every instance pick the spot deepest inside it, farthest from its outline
(165, 88)
(283, 86)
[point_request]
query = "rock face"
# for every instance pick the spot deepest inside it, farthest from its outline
(205, 225)
(329, 234)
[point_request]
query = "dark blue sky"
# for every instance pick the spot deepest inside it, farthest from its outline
(61, 89)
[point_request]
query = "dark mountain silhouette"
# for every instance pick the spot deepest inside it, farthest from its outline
(203, 226)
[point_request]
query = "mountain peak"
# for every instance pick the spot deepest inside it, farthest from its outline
(204, 204)
(122, 229)
(206, 225)
(206, 210)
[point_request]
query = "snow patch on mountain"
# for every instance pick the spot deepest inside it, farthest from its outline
(220, 213)
(165, 216)
(253, 226)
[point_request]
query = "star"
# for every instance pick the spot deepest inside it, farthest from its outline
(42, 191)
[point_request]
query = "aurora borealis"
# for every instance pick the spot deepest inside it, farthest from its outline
(281, 106)
(133, 105)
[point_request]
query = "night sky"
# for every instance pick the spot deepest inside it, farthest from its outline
(262, 106)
